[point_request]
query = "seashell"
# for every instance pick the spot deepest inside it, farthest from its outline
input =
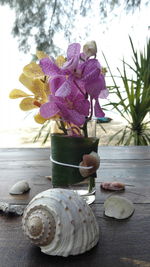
(113, 186)
(61, 223)
(19, 188)
(91, 159)
(118, 207)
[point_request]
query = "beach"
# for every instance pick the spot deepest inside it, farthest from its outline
(23, 136)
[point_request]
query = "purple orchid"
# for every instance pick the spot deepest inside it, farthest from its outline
(66, 74)
(73, 56)
(94, 84)
(73, 108)
(86, 73)
(79, 79)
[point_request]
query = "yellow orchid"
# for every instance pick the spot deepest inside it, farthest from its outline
(34, 79)
(36, 82)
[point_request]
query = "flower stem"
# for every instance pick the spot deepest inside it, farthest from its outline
(84, 128)
(78, 87)
(62, 127)
(91, 184)
(91, 102)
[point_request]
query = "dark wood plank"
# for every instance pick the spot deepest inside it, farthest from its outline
(133, 172)
(121, 242)
(106, 152)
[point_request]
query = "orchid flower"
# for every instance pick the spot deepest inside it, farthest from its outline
(94, 83)
(86, 75)
(34, 79)
(90, 49)
(74, 108)
(66, 89)
(62, 78)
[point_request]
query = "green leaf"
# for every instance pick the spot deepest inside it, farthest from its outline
(133, 100)
(114, 135)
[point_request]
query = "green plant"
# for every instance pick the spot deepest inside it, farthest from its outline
(133, 102)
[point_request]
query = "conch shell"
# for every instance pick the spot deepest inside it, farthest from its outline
(61, 223)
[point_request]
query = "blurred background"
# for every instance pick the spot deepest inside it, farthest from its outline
(49, 25)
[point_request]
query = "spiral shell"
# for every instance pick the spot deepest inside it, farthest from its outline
(61, 223)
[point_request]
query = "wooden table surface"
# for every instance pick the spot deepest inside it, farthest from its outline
(121, 242)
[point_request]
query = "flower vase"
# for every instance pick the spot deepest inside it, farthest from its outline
(66, 156)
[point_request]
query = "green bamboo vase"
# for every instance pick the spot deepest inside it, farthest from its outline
(70, 150)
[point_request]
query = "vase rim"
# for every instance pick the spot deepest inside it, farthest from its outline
(74, 137)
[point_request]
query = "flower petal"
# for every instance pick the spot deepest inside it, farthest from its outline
(60, 61)
(27, 104)
(49, 67)
(41, 54)
(17, 93)
(64, 90)
(75, 117)
(93, 89)
(90, 48)
(26, 81)
(56, 82)
(104, 93)
(91, 70)
(39, 119)
(73, 50)
(98, 111)
(82, 107)
(71, 115)
(48, 110)
(102, 84)
(39, 90)
(83, 57)
(70, 66)
(80, 85)
(33, 70)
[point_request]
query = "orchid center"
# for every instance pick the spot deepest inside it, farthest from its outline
(69, 104)
(77, 73)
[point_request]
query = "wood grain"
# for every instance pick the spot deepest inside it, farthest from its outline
(118, 239)
(122, 243)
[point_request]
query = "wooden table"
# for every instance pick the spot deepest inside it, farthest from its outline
(121, 243)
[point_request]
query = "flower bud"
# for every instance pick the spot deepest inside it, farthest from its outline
(90, 48)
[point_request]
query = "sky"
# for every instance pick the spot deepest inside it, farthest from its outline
(114, 43)
(10, 68)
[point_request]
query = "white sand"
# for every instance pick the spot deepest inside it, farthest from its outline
(23, 137)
